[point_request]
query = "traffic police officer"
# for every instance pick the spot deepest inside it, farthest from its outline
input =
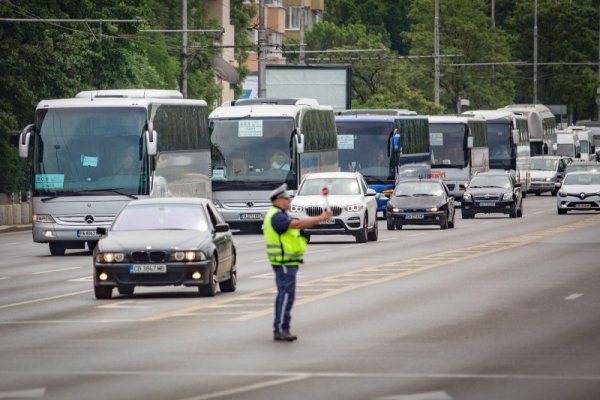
(285, 249)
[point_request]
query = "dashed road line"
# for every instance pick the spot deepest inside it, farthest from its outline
(54, 270)
(574, 296)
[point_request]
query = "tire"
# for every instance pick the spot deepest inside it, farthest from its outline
(554, 192)
(445, 224)
(398, 227)
(451, 223)
(103, 292)
(91, 244)
(57, 249)
(524, 194)
(374, 235)
(210, 289)
(467, 215)
(514, 212)
(390, 227)
(361, 237)
(561, 212)
(230, 284)
(520, 211)
(127, 290)
(538, 193)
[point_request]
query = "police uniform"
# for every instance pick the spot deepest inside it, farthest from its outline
(285, 250)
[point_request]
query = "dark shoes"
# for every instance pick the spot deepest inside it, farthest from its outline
(284, 336)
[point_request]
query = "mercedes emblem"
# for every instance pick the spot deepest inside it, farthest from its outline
(89, 219)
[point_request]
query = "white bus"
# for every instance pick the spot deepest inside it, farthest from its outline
(586, 147)
(258, 144)
(508, 143)
(94, 153)
(459, 149)
(542, 127)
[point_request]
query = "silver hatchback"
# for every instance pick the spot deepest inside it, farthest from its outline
(579, 191)
(353, 205)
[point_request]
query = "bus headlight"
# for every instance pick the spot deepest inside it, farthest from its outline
(42, 218)
(354, 208)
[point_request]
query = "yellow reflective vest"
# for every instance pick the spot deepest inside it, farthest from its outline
(287, 248)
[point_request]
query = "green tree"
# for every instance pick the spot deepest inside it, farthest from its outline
(465, 31)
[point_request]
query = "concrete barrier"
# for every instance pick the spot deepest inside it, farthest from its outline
(15, 214)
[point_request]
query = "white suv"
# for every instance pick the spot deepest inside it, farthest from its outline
(353, 205)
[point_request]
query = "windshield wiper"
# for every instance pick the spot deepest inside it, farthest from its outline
(402, 195)
(423, 194)
(371, 178)
(117, 191)
(57, 194)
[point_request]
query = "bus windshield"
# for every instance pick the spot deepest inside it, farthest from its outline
(448, 144)
(90, 149)
(363, 147)
(500, 147)
(565, 149)
(543, 164)
(251, 153)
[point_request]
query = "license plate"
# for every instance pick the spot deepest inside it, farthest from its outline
(87, 234)
(415, 216)
(327, 222)
(250, 216)
(487, 204)
(147, 268)
(583, 206)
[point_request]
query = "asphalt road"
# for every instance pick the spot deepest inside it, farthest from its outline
(496, 308)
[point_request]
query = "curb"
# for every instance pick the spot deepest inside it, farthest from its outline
(15, 228)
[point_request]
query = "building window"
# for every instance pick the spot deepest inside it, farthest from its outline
(292, 18)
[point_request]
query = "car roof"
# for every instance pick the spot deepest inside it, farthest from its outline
(419, 180)
(491, 173)
(169, 200)
(315, 175)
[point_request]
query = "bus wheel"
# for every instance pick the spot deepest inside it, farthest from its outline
(57, 249)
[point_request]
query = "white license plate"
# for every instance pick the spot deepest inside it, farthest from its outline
(583, 206)
(147, 268)
(328, 222)
(87, 234)
(250, 216)
(415, 216)
(487, 204)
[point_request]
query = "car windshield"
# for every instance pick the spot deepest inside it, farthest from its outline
(493, 181)
(418, 189)
(336, 186)
(543, 164)
(161, 217)
(582, 179)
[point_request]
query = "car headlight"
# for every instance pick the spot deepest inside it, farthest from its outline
(433, 209)
(548, 179)
(190, 255)
(562, 194)
(354, 207)
(467, 196)
(42, 218)
(396, 209)
(507, 196)
(296, 209)
(110, 257)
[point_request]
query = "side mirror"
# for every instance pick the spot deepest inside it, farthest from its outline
(515, 135)
(24, 138)
(557, 185)
(101, 231)
(299, 142)
(222, 228)
(462, 186)
(371, 192)
(518, 184)
(470, 142)
(151, 142)
(396, 142)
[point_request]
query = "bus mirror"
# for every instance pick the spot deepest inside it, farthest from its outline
(515, 135)
(24, 138)
(396, 142)
(470, 142)
(299, 139)
(151, 142)
(554, 147)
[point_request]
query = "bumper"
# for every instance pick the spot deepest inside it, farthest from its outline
(574, 203)
(177, 274)
(502, 207)
(52, 232)
(244, 216)
(414, 218)
(349, 226)
(541, 186)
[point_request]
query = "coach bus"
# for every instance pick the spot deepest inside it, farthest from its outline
(377, 143)
(541, 125)
(94, 153)
(258, 144)
(459, 149)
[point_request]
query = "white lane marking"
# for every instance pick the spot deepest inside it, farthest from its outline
(271, 275)
(14, 243)
(44, 299)
(128, 304)
(574, 296)
(438, 395)
(2, 278)
(54, 270)
(539, 212)
(352, 245)
(262, 260)
(385, 240)
(317, 251)
(416, 234)
(23, 394)
(248, 388)
(257, 241)
(485, 223)
(83, 279)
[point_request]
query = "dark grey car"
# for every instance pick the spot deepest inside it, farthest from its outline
(165, 242)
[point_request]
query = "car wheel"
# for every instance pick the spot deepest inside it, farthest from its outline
(91, 244)
(538, 193)
(467, 215)
(444, 225)
(361, 237)
(126, 289)
(520, 211)
(210, 289)
(374, 235)
(103, 292)
(390, 226)
(57, 249)
(230, 284)
(562, 212)
(514, 212)
(524, 194)
(554, 192)
(399, 226)
(451, 223)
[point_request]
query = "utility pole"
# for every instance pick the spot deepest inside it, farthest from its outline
(436, 54)
(302, 18)
(535, 52)
(184, 50)
(262, 71)
(598, 88)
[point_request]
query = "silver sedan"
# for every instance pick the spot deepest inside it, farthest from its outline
(579, 191)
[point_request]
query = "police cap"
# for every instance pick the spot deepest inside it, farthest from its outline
(281, 191)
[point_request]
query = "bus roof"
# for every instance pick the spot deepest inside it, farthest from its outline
(103, 102)
(530, 108)
(495, 115)
(263, 110)
(131, 93)
(454, 119)
(386, 111)
(364, 118)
